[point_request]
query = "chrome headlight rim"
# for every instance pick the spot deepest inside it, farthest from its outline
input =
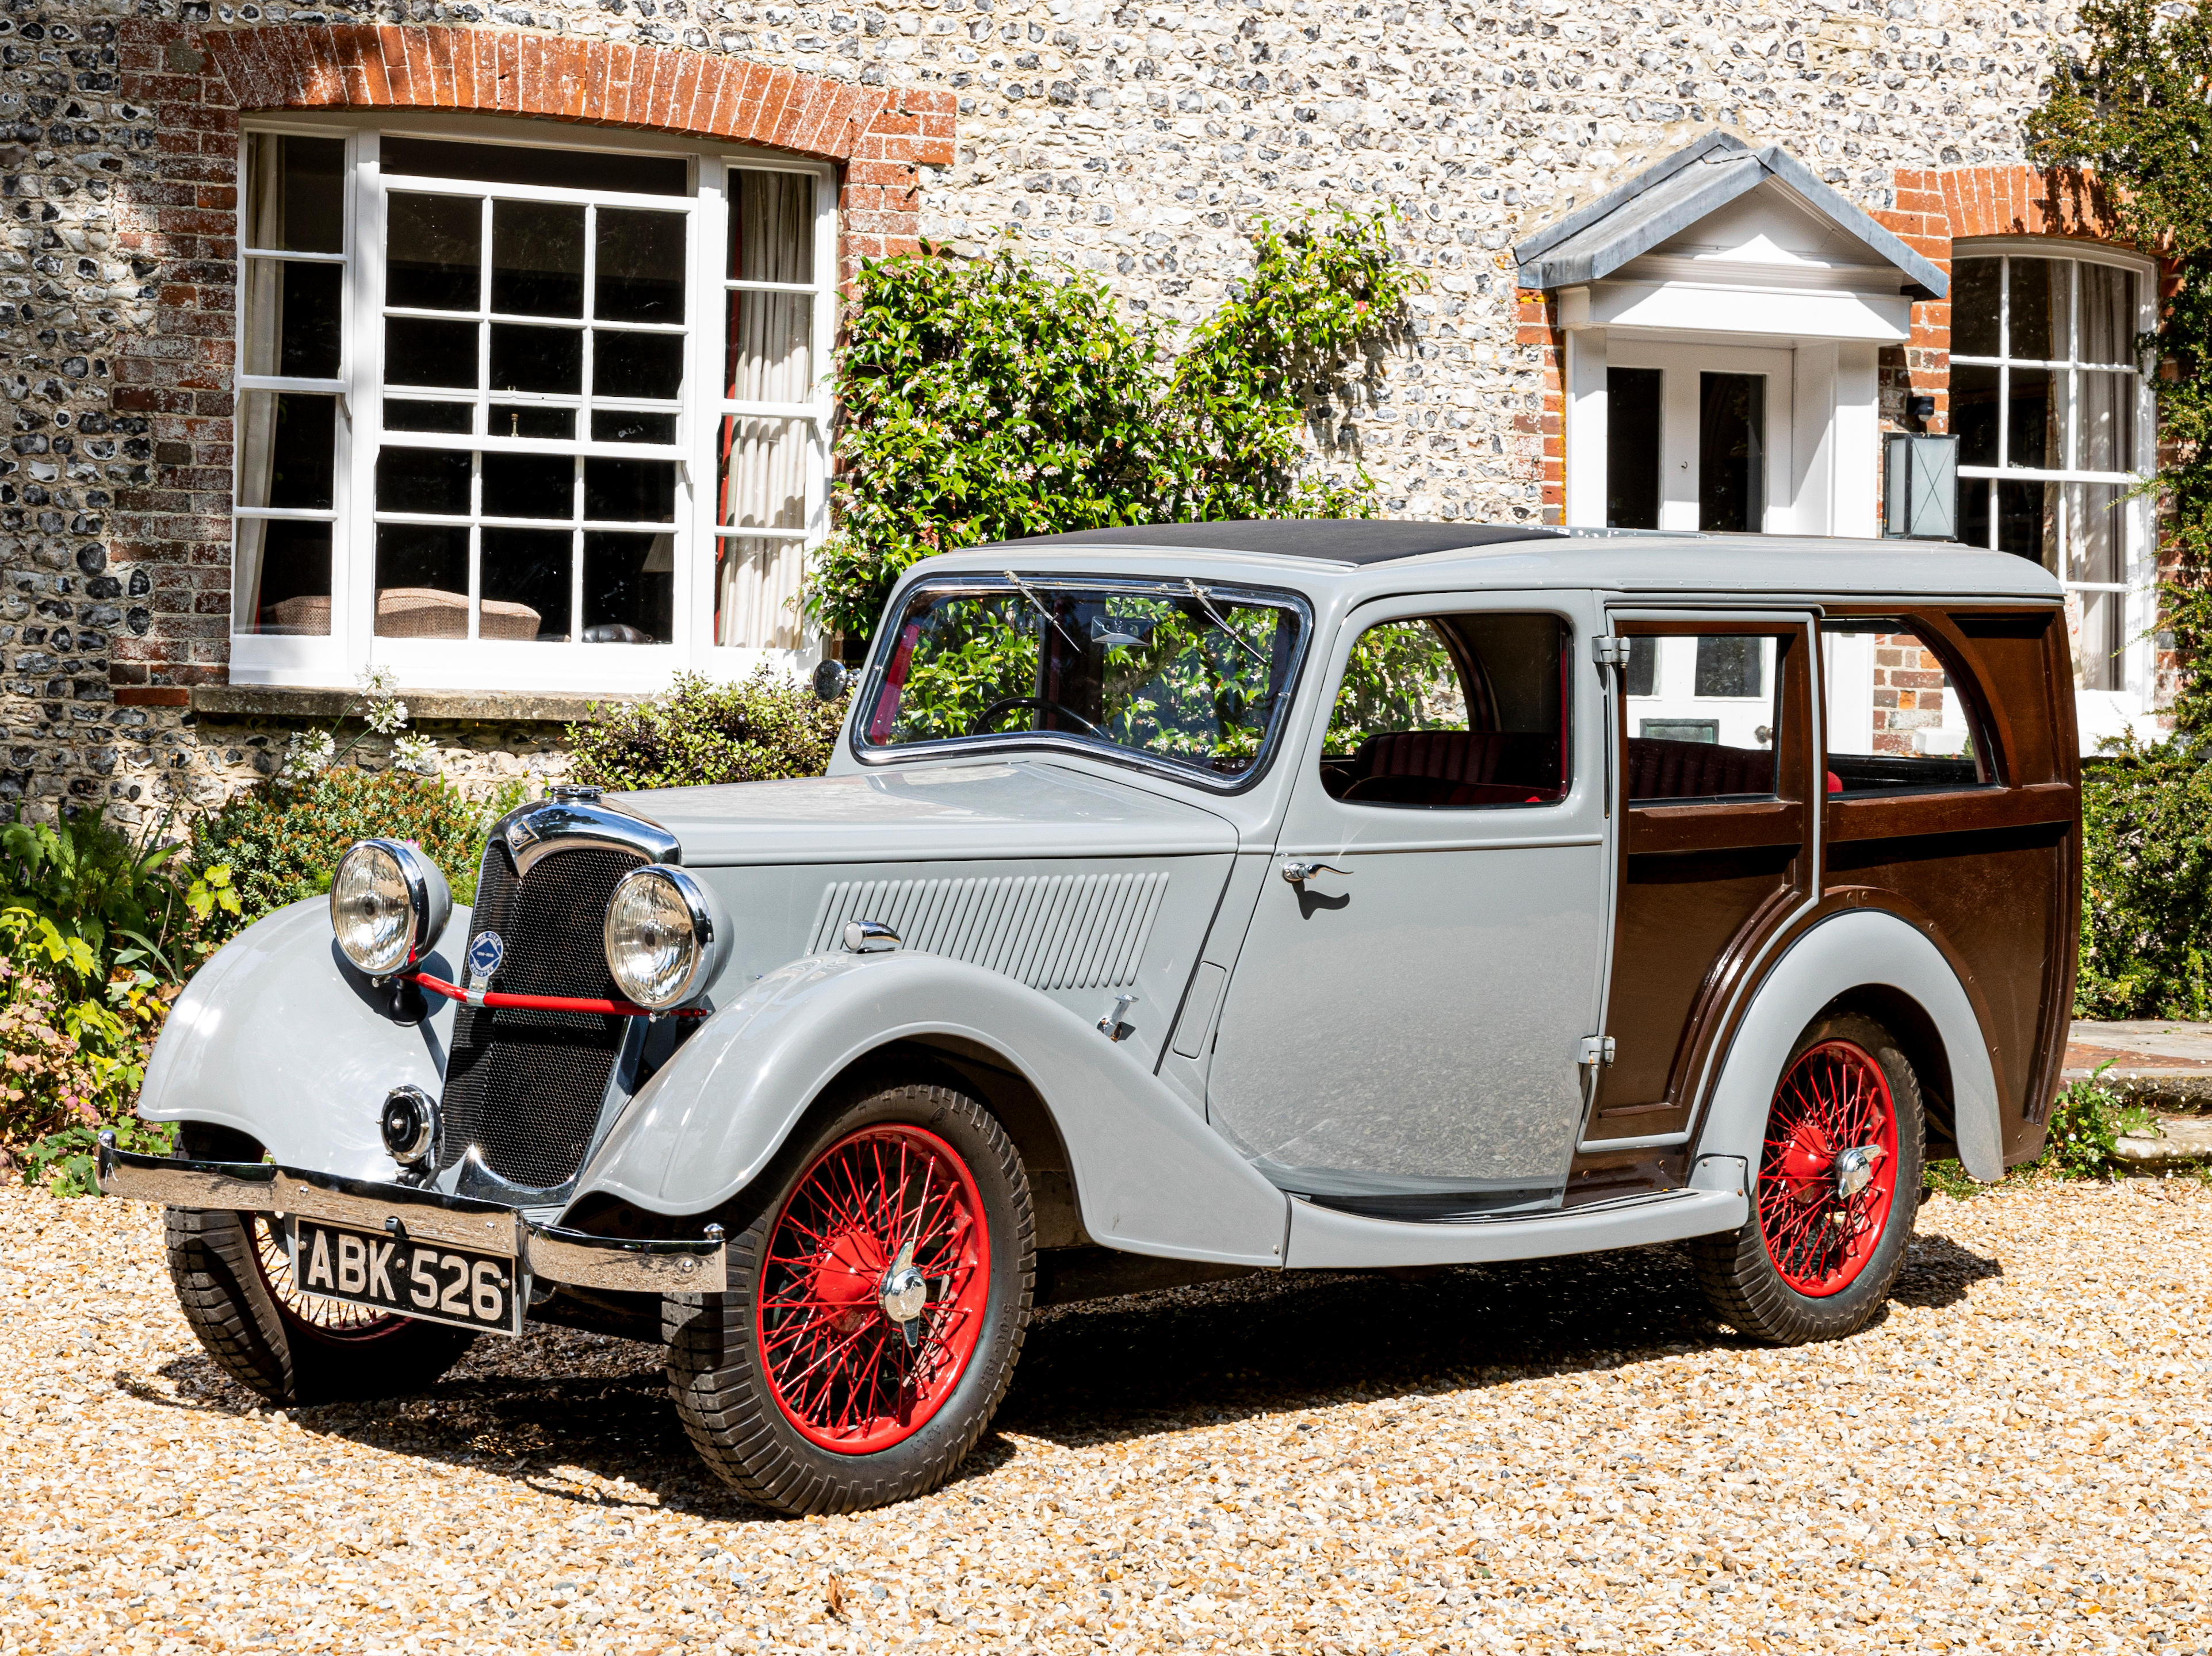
(698, 908)
(429, 905)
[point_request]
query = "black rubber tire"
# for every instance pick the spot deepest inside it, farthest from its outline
(1740, 1280)
(269, 1349)
(714, 1360)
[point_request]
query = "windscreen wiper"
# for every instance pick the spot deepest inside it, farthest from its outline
(1205, 603)
(1023, 587)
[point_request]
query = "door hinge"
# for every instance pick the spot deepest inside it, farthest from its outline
(1596, 1051)
(1610, 651)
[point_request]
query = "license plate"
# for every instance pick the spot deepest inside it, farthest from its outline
(433, 1281)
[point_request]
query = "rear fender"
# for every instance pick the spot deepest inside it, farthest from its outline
(1148, 1174)
(1852, 951)
(279, 1037)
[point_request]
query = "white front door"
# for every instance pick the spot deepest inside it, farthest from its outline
(1698, 437)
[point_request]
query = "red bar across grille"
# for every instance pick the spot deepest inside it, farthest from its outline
(628, 1009)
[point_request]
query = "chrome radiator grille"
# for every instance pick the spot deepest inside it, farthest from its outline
(524, 1087)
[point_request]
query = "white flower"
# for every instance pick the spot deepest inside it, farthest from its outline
(417, 754)
(387, 714)
(307, 755)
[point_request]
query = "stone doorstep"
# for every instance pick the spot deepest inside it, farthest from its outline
(2158, 1064)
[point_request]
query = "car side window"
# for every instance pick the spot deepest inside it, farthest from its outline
(1705, 715)
(1897, 723)
(1452, 711)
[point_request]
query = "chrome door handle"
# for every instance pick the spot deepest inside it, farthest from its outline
(1297, 873)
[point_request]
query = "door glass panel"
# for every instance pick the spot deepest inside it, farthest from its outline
(1703, 723)
(1731, 452)
(1896, 723)
(1455, 711)
(1631, 448)
(537, 258)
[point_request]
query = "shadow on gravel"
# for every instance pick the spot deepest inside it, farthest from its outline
(557, 1402)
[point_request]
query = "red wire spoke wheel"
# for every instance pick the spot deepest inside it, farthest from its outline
(873, 1291)
(1819, 1222)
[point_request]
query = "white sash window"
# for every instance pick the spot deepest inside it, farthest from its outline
(518, 412)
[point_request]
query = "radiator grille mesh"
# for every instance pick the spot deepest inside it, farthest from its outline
(1047, 930)
(526, 1087)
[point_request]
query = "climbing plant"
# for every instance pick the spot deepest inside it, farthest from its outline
(994, 399)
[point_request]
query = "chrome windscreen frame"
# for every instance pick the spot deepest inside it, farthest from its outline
(869, 682)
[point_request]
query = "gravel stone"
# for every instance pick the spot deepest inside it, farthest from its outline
(1564, 1456)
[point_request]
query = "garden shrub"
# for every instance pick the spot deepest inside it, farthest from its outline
(2084, 1135)
(756, 729)
(2146, 882)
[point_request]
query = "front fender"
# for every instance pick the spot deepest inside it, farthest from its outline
(1150, 1175)
(1858, 947)
(279, 1037)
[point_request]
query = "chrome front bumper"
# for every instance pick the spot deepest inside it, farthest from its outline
(547, 1252)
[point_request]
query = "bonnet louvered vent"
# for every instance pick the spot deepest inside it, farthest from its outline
(1048, 930)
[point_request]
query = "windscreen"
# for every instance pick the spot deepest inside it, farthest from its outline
(1182, 673)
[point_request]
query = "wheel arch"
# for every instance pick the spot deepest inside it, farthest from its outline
(1876, 963)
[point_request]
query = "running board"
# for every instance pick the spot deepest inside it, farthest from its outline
(1326, 1239)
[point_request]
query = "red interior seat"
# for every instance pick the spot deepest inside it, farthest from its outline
(1470, 756)
(1662, 769)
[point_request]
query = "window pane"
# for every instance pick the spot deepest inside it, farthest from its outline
(756, 591)
(642, 365)
(526, 585)
(1975, 497)
(1974, 394)
(2108, 314)
(418, 352)
(1732, 452)
(281, 578)
(629, 491)
(2040, 295)
(549, 361)
(1631, 448)
(771, 226)
(564, 169)
(1895, 722)
(400, 415)
(2037, 435)
(433, 246)
(1400, 676)
(1455, 711)
(640, 266)
(537, 258)
(421, 581)
(771, 354)
(422, 480)
(295, 193)
(529, 486)
(287, 450)
(1643, 666)
(766, 473)
(628, 425)
(629, 588)
(2096, 551)
(2028, 521)
(1975, 301)
(293, 318)
(531, 420)
(2108, 420)
(1732, 667)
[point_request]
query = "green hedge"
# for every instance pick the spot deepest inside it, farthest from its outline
(2147, 883)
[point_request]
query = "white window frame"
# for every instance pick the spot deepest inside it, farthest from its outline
(352, 647)
(2138, 587)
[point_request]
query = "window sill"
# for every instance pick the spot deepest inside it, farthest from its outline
(483, 706)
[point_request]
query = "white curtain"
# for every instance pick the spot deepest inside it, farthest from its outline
(256, 432)
(765, 461)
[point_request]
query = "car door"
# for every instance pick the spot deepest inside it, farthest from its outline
(1400, 1031)
(1713, 737)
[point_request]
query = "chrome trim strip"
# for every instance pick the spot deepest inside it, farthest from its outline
(538, 830)
(548, 1251)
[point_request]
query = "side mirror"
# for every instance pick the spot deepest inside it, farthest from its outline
(830, 679)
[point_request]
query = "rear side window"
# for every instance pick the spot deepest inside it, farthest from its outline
(1458, 712)
(1897, 722)
(1704, 710)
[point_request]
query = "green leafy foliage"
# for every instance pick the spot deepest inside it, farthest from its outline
(2137, 105)
(994, 399)
(281, 843)
(1399, 676)
(755, 730)
(63, 1161)
(99, 892)
(2146, 882)
(2084, 1136)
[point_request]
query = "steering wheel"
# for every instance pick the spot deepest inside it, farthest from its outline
(983, 719)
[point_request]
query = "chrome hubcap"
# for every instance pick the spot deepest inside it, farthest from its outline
(1854, 1169)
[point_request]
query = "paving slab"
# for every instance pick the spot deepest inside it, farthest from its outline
(2164, 1065)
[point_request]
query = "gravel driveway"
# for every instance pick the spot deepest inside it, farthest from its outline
(1560, 1456)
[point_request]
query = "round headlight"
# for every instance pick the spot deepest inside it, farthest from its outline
(660, 936)
(389, 904)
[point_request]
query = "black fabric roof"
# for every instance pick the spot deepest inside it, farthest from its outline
(1341, 540)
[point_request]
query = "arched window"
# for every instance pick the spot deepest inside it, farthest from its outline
(2055, 426)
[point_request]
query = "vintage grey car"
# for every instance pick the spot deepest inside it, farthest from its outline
(1180, 901)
